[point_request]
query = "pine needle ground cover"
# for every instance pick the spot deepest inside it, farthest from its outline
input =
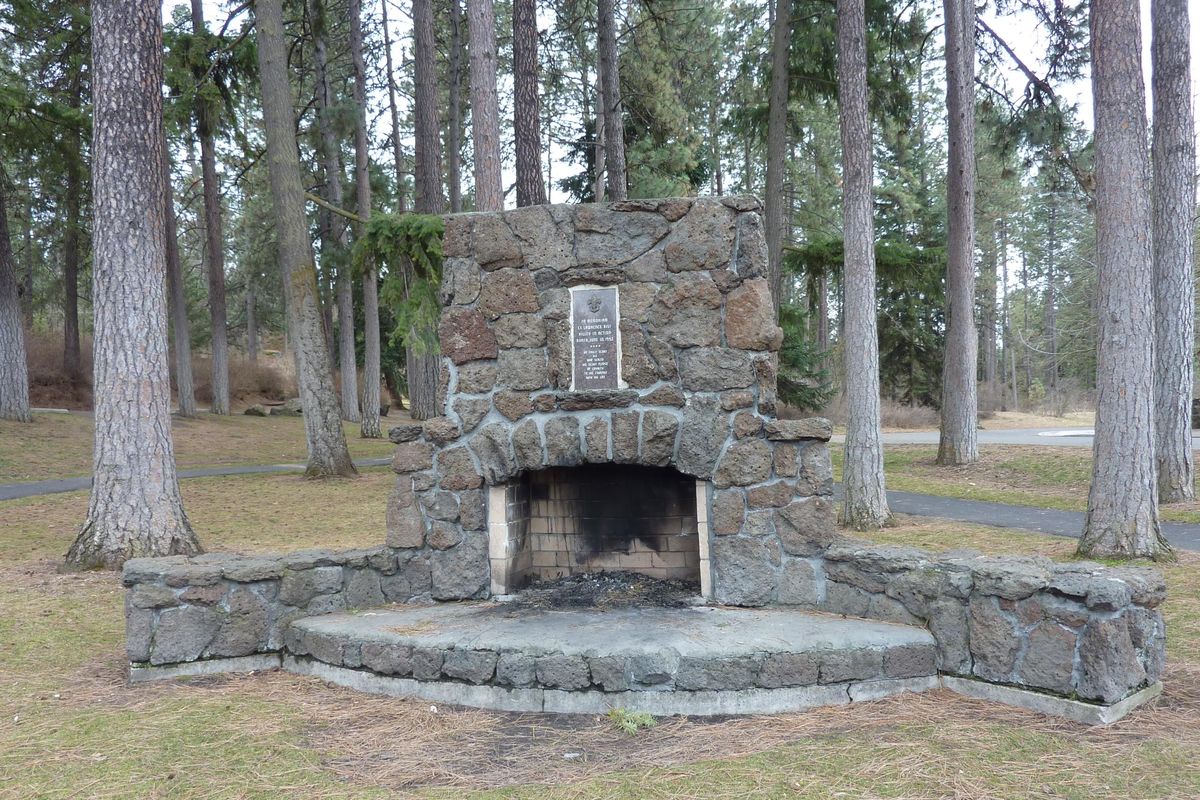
(70, 727)
(60, 445)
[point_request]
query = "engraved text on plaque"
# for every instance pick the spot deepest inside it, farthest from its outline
(594, 345)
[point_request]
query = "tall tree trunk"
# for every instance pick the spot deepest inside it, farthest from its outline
(1174, 207)
(959, 440)
(177, 300)
(214, 248)
(777, 102)
(72, 364)
(485, 109)
(251, 321)
(393, 112)
(1010, 353)
(614, 134)
(1122, 515)
(987, 309)
(527, 118)
(327, 453)
(865, 504)
(421, 370)
(362, 184)
(600, 161)
(27, 292)
(335, 246)
(1051, 303)
(135, 507)
(454, 115)
(14, 373)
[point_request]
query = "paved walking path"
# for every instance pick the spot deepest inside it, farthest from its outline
(12, 491)
(1058, 523)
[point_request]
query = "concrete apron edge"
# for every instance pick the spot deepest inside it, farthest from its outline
(690, 703)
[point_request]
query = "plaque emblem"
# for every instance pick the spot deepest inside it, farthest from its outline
(595, 303)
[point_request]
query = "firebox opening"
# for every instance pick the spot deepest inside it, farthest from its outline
(566, 521)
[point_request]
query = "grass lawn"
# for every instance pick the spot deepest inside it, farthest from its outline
(70, 727)
(60, 445)
(1044, 477)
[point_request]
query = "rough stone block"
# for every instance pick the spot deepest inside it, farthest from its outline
(728, 511)
(595, 437)
(1049, 658)
(1109, 667)
(462, 572)
(507, 291)
(665, 396)
(794, 430)
(527, 446)
(513, 405)
(427, 663)
(457, 470)
(515, 669)
(910, 661)
(659, 431)
(993, 638)
(477, 377)
(244, 625)
(744, 463)
(799, 583)
(464, 335)
(713, 369)
(561, 671)
(750, 317)
(524, 369)
(520, 330)
(610, 673)
(625, 437)
(745, 570)
(697, 674)
(471, 411)
(152, 595)
(842, 598)
(412, 457)
(562, 442)
(387, 658)
(412, 579)
(404, 525)
(472, 510)
(494, 454)
(788, 669)
(472, 666)
(806, 527)
(183, 633)
(139, 628)
(702, 435)
(771, 495)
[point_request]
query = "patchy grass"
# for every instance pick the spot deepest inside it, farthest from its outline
(71, 727)
(60, 445)
(1041, 476)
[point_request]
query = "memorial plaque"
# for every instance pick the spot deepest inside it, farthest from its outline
(594, 346)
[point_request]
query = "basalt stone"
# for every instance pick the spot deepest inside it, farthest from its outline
(150, 595)
(460, 282)
(544, 403)
(558, 354)
(910, 661)
(443, 384)
(702, 436)
(299, 586)
(456, 236)
(625, 437)
(994, 640)
(1147, 632)
(412, 579)
(493, 243)
(788, 669)
(183, 633)
(745, 570)
(663, 356)
(654, 670)
(712, 369)
(650, 267)
(427, 663)
(1049, 658)
(457, 469)
(885, 609)
(244, 625)
(139, 628)
(594, 275)
(674, 209)
(471, 411)
(562, 442)
(1011, 577)
(472, 510)
(842, 598)
(462, 571)
(687, 314)
(443, 535)
(742, 202)
(423, 481)
(771, 495)
(746, 423)
(595, 441)
(252, 569)
(193, 575)
(949, 626)
(441, 505)
(324, 648)
(726, 280)
(703, 240)
(405, 432)
(441, 430)
(412, 457)
(363, 589)
(794, 430)
(698, 674)
(520, 330)
(750, 256)
(744, 463)
(636, 299)
(465, 336)
(544, 240)
(860, 664)
(544, 280)
(1147, 586)
(493, 453)
(659, 431)
(555, 304)
(665, 396)
(1109, 667)
(760, 523)
(515, 669)
(750, 317)
(513, 405)
(561, 671)
(524, 369)
(728, 511)
(477, 377)
(472, 666)
(610, 673)
(786, 454)
(799, 583)
(600, 398)
(527, 446)
(815, 469)
(203, 595)
(637, 367)
(607, 238)
(507, 291)
(739, 398)
(387, 658)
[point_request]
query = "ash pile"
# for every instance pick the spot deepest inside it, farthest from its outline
(602, 590)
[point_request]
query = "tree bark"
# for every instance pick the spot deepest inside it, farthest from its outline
(1051, 302)
(214, 249)
(1174, 207)
(135, 507)
(865, 504)
(251, 322)
(14, 372)
(1122, 515)
(27, 292)
(362, 183)
(485, 108)
(421, 370)
(614, 134)
(599, 177)
(327, 453)
(777, 102)
(72, 364)
(526, 112)
(177, 300)
(335, 247)
(959, 440)
(393, 111)
(454, 117)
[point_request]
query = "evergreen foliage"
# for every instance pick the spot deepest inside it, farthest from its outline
(408, 250)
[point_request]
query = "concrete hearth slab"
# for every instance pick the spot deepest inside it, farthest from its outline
(698, 661)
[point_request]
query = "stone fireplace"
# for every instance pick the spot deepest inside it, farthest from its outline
(609, 394)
